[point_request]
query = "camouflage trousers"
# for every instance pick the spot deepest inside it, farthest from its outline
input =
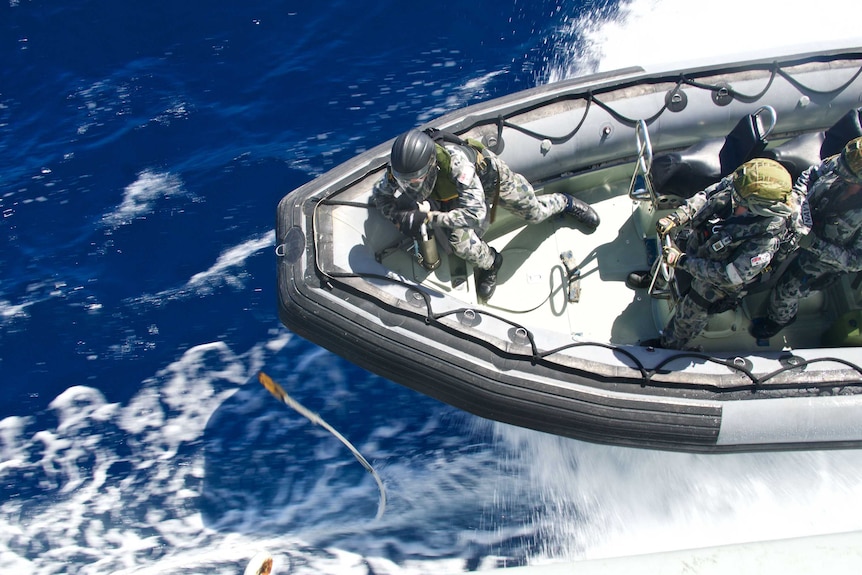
(691, 317)
(516, 196)
(795, 284)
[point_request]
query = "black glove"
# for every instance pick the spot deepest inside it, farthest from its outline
(410, 223)
(404, 203)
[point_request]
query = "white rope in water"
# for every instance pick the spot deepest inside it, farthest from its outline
(279, 393)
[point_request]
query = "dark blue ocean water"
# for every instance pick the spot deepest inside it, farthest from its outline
(143, 150)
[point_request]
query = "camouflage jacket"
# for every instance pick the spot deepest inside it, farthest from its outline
(725, 250)
(836, 221)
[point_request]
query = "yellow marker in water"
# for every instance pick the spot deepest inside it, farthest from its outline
(272, 387)
(260, 564)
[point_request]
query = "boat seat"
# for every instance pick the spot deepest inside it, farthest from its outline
(805, 150)
(691, 170)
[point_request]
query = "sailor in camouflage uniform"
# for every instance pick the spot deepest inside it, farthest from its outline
(834, 244)
(734, 230)
(456, 187)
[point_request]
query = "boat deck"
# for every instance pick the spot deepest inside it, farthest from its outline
(532, 357)
(532, 284)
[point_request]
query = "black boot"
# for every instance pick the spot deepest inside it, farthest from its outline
(764, 327)
(638, 280)
(582, 211)
(486, 280)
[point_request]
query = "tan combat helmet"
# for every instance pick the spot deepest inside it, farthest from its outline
(851, 161)
(762, 179)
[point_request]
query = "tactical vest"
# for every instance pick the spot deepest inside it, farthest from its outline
(722, 241)
(719, 242)
(444, 188)
(825, 204)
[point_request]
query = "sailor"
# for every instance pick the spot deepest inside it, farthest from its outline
(456, 186)
(834, 244)
(730, 233)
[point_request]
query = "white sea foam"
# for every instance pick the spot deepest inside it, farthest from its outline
(232, 258)
(10, 311)
(11, 431)
(470, 91)
(119, 488)
(228, 270)
(665, 34)
(140, 196)
(116, 520)
(612, 501)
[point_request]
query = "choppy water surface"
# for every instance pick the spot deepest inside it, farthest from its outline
(144, 149)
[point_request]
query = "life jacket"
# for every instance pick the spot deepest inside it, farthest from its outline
(444, 188)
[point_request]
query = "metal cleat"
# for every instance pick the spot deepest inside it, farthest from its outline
(573, 276)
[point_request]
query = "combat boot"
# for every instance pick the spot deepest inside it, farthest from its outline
(764, 327)
(582, 211)
(639, 280)
(486, 280)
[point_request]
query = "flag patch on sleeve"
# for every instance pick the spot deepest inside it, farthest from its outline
(760, 260)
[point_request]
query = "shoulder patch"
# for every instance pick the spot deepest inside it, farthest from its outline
(463, 171)
(760, 260)
(466, 175)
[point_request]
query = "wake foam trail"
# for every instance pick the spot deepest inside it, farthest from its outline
(198, 470)
(604, 501)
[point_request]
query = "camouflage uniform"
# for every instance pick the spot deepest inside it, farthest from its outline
(724, 253)
(468, 217)
(834, 245)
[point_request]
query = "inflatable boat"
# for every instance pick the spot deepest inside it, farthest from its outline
(558, 348)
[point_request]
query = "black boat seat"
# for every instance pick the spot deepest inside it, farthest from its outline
(805, 150)
(687, 172)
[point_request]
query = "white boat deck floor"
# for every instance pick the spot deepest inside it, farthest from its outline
(606, 311)
(532, 285)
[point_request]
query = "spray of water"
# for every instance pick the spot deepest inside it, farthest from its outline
(656, 34)
(603, 501)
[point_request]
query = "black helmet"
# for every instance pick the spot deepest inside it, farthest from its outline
(413, 157)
